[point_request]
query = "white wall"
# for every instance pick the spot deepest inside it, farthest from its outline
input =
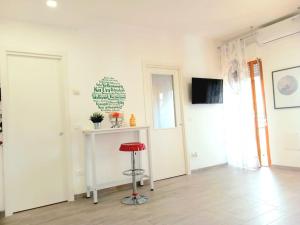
(119, 52)
(204, 123)
(284, 124)
(1, 181)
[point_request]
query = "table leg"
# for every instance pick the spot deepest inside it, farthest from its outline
(88, 192)
(94, 170)
(140, 160)
(150, 160)
(87, 169)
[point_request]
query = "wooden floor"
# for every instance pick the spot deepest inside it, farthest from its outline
(217, 196)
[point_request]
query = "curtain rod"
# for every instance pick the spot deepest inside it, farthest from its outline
(240, 37)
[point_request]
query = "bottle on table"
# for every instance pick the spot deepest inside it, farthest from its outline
(132, 121)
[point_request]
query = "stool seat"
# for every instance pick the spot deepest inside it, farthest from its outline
(132, 147)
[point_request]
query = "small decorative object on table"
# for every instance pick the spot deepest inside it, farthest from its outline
(97, 118)
(132, 121)
(116, 119)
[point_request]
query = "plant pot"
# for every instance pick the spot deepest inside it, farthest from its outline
(97, 125)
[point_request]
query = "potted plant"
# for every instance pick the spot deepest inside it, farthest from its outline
(97, 118)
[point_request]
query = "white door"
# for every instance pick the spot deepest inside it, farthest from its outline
(34, 155)
(164, 116)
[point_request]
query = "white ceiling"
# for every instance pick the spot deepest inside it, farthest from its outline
(212, 18)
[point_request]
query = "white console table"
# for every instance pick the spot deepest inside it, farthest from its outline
(90, 155)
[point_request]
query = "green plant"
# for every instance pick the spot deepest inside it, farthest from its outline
(97, 117)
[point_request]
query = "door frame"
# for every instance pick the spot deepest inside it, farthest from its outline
(145, 69)
(66, 117)
(253, 87)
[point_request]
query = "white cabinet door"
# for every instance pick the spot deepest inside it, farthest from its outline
(164, 116)
(34, 154)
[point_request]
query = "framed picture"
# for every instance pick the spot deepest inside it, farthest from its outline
(286, 88)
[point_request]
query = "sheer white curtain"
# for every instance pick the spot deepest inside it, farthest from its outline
(240, 136)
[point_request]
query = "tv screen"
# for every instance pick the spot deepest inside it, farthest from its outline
(207, 91)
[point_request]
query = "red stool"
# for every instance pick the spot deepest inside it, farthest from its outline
(135, 198)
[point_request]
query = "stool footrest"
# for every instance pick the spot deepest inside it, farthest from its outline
(135, 172)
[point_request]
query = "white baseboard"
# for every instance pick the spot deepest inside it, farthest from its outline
(209, 167)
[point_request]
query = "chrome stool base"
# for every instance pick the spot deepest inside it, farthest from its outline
(135, 200)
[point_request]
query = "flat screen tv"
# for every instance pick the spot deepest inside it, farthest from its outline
(207, 91)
